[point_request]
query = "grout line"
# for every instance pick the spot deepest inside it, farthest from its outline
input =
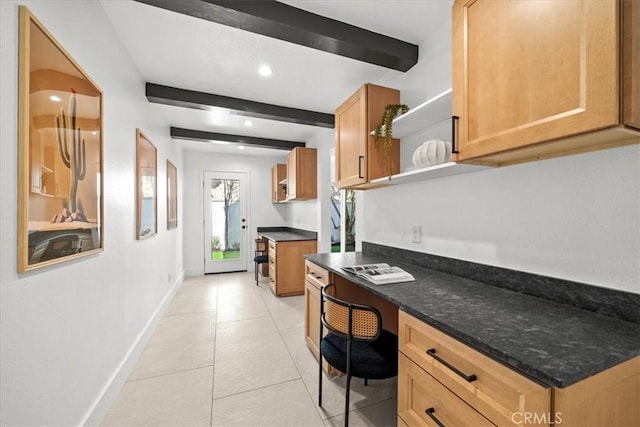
(258, 388)
(213, 365)
(168, 373)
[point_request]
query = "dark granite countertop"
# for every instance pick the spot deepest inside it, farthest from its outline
(555, 344)
(286, 234)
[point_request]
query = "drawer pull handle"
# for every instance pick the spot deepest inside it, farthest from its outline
(454, 128)
(470, 378)
(430, 413)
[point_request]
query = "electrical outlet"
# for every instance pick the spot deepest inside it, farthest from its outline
(416, 233)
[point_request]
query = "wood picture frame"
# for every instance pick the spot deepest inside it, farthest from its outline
(172, 196)
(146, 191)
(60, 153)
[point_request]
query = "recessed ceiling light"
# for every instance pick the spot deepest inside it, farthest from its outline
(55, 98)
(265, 70)
(240, 147)
(248, 123)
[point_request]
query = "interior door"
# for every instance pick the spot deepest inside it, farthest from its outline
(225, 222)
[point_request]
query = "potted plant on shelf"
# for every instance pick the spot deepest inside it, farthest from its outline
(384, 130)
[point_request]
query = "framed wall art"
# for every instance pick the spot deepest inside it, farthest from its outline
(172, 196)
(146, 192)
(60, 197)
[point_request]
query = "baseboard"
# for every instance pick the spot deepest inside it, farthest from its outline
(110, 391)
(194, 272)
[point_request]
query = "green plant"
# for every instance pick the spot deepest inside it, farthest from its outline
(384, 130)
(71, 147)
(215, 243)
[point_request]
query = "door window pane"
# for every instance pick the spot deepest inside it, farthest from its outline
(225, 219)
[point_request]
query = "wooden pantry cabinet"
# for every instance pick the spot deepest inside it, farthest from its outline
(302, 179)
(536, 79)
(278, 174)
(357, 160)
(440, 378)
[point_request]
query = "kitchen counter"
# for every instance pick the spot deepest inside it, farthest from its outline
(286, 234)
(555, 344)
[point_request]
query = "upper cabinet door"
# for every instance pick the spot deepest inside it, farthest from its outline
(358, 161)
(631, 63)
(351, 140)
(530, 71)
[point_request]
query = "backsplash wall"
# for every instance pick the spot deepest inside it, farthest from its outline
(575, 218)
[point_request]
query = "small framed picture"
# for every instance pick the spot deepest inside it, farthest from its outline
(172, 196)
(146, 192)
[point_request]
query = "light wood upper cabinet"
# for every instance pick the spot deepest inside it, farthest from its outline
(278, 174)
(528, 75)
(302, 180)
(357, 160)
(631, 63)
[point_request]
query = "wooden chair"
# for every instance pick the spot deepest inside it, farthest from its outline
(260, 255)
(355, 343)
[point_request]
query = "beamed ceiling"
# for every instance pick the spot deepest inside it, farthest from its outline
(200, 60)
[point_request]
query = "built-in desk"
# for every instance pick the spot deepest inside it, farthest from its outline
(286, 249)
(582, 364)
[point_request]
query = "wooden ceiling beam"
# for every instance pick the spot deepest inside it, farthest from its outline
(176, 97)
(252, 141)
(280, 21)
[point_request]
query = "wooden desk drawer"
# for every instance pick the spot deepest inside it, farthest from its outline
(419, 392)
(315, 275)
(497, 392)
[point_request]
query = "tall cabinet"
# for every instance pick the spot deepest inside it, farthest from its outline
(357, 160)
(536, 79)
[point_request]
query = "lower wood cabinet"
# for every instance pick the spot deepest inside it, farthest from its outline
(463, 387)
(286, 265)
(315, 279)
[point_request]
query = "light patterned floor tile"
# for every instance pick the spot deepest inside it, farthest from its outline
(179, 343)
(286, 404)
(180, 399)
(250, 354)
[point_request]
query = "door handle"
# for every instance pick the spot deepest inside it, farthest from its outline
(360, 159)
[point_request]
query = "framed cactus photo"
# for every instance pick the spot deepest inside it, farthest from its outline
(60, 197)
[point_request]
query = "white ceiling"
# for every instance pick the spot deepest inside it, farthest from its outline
(189, 53)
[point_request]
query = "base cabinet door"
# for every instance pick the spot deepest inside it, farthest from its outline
(315, 278)
(287, 266)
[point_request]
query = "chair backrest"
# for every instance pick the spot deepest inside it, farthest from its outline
(261, 245)
(356, 321)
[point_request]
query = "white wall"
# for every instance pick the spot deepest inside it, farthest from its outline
(315, 215)
(66, 330)
(261, 212)
(576, 218)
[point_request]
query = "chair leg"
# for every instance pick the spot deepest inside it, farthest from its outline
(257, 273)
(319, 378)
(346, 402)
(366, 382)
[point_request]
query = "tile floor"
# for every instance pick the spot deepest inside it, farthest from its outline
(228, 353)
